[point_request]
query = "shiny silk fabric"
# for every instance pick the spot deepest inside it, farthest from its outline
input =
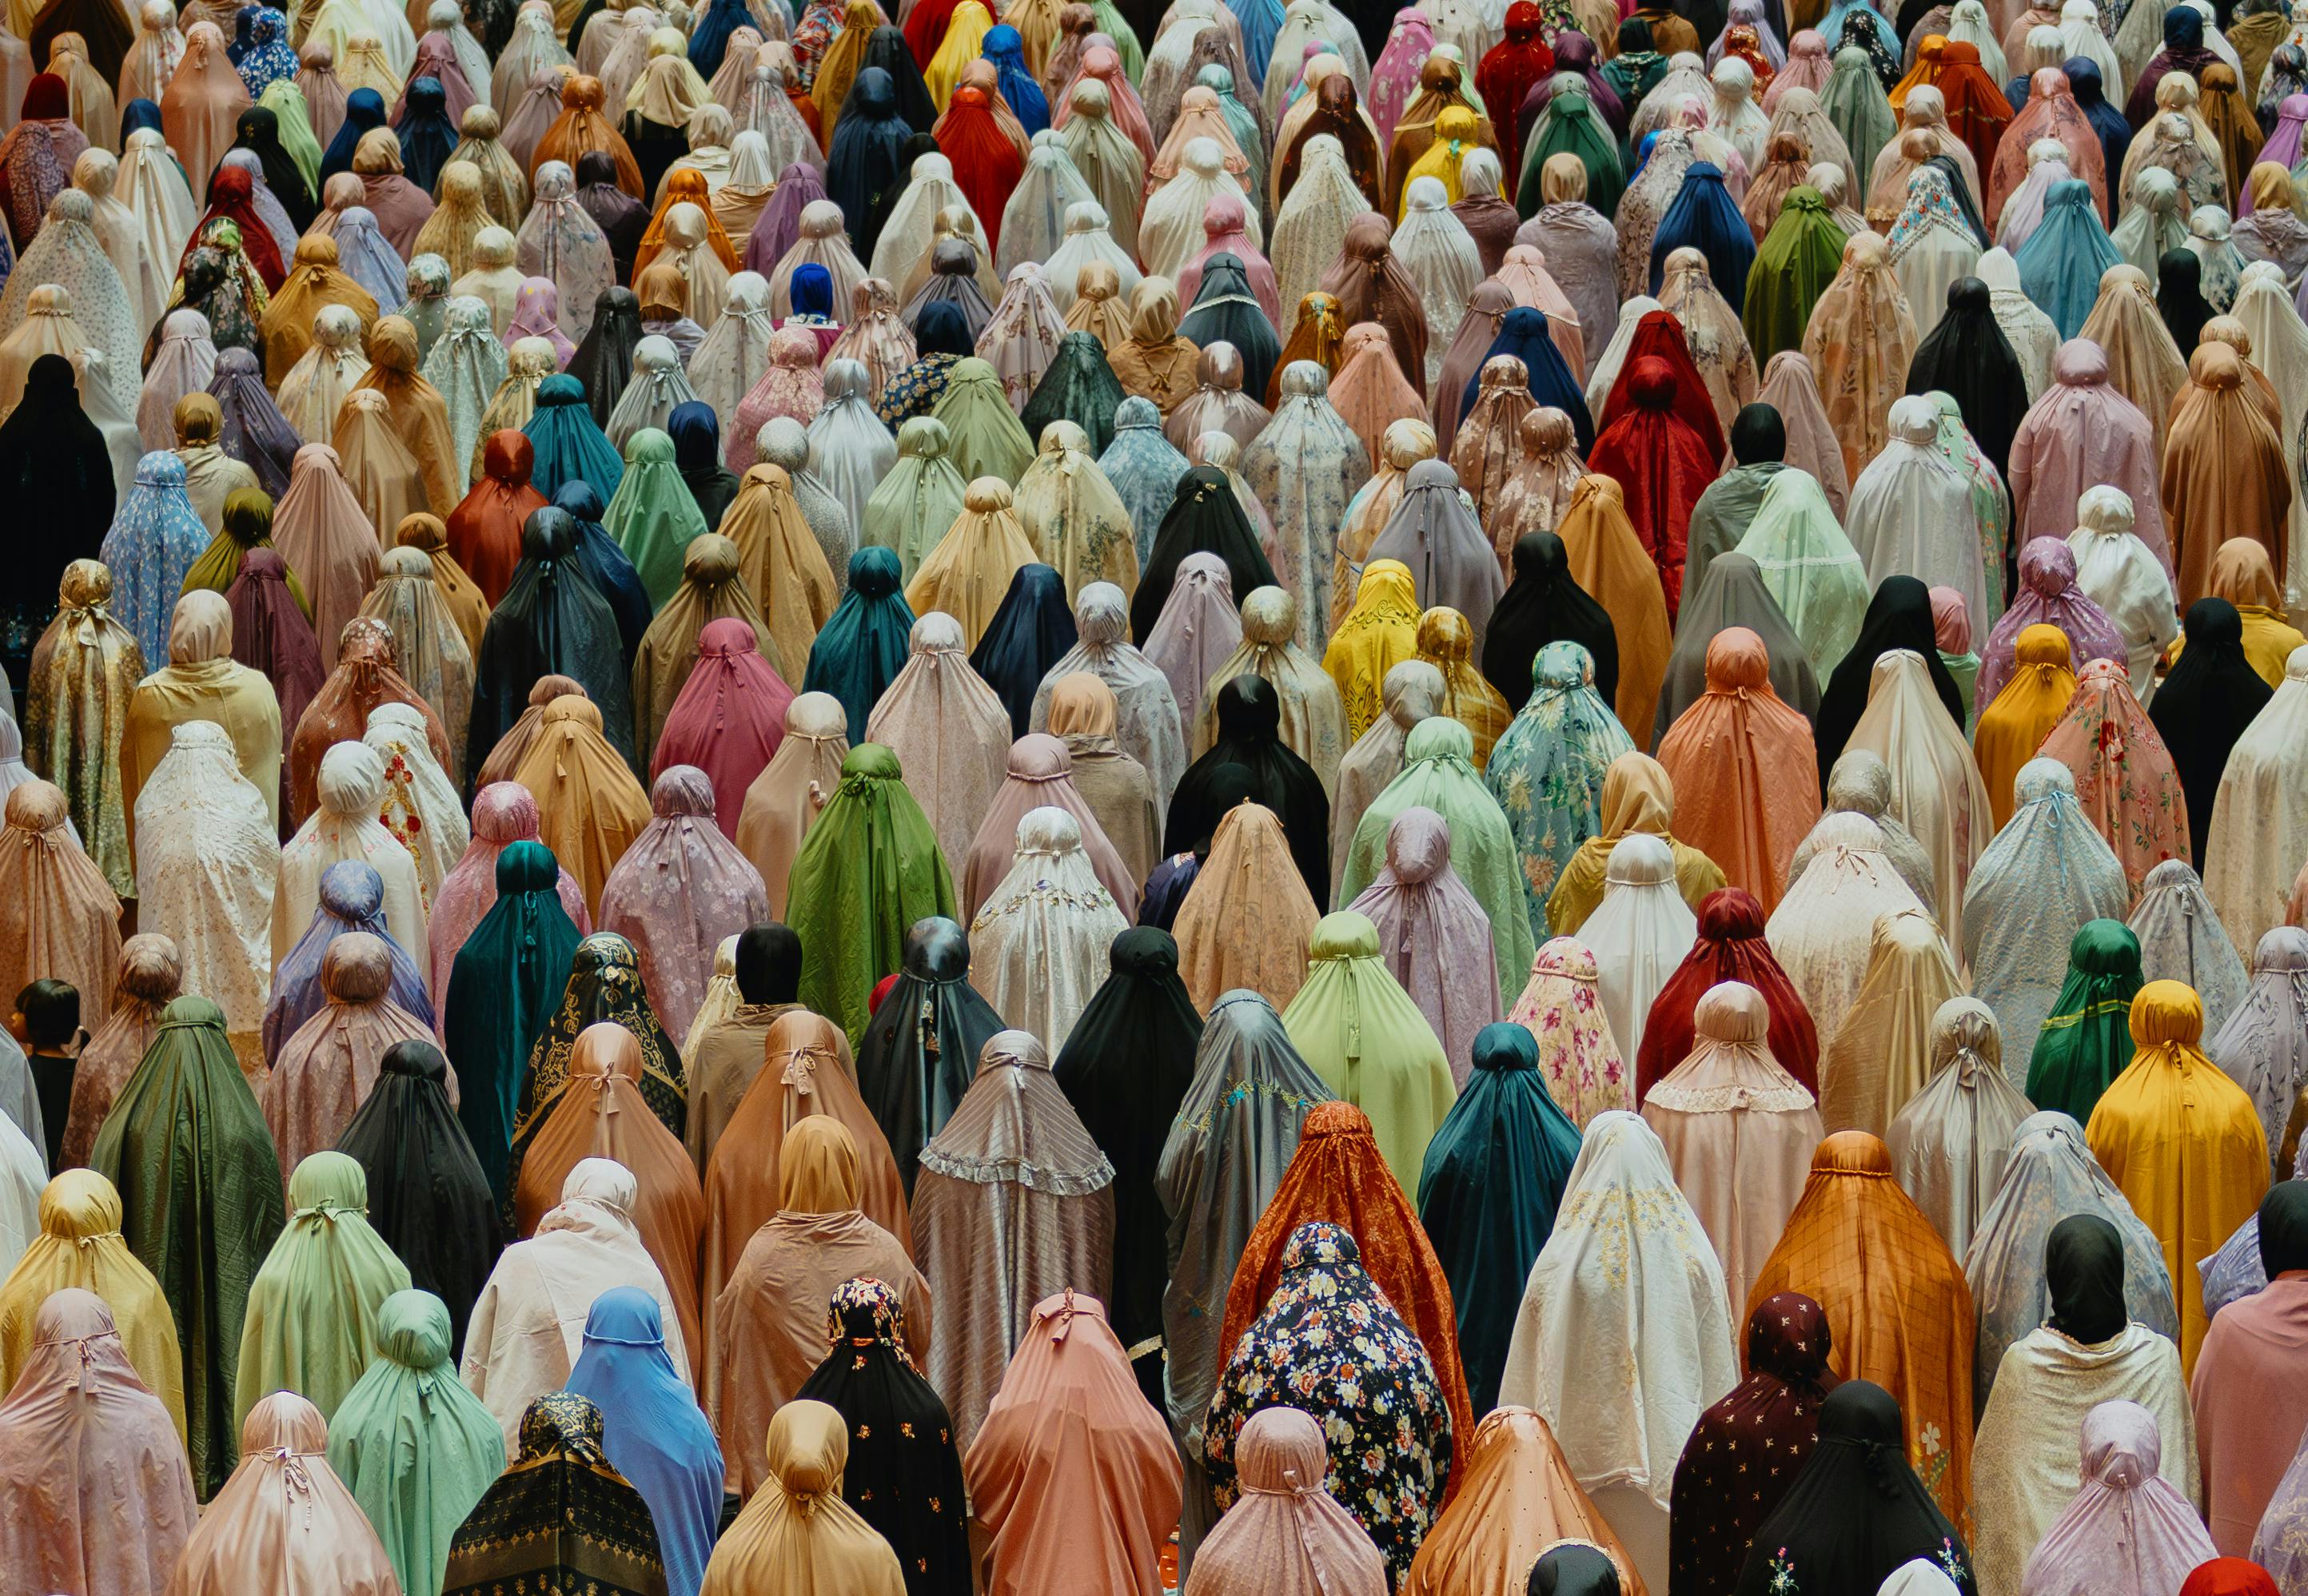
(1772, 1415)
(1494, 1175)
(82, 671)
(2049, 1174)
(1730, 946)
(1896, 1302)
(186, 1138)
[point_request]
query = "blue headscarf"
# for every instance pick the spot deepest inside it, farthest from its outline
(865, 644)
(1003, 47)
(364, 110)
(569, 443)
(2060, 264)
(710, 41)
(138, 115)
(351, 900)
(812, 291)
(1523, 335)
(867, 164)
(156, 538)
(1261, 25)
(427, 137)
(1032, 630)
(1701, 217)
(598, 557)
(2090, 89)
(243, 24)
(268, 59)
(652, 1430)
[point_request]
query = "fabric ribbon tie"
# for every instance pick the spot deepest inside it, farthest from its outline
(1065, 1318)
(800, 1072)
(73, 1381)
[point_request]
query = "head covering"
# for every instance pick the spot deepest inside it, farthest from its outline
(313, 1306)
(873, 825)
(523, 943)
(2207, 699)
(429, 1200)
(1857, 1511)
(286, 1508)
(1580, 1289)
(95, 1449)
(559, 1512)
(2122, 1451)
(2183, 938)
(184, 1125)
(1715, 1506)
(1115, 1510)
(2194, 1187)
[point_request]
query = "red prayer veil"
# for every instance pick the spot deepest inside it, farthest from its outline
(727, 719)
(1339, 1175)
(47, 98)
(925, 29)
(1508, 68)
(986, 164)
(2229, 1576)
(1730, 947)
(232, 197)
(1659, 336)
(1661, 465)
(484, 529)
(1977, 111)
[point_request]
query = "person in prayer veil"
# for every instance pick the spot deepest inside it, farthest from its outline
(349, 898)
(1902, 1326)
(2087, 1354)
(1099, 1526)
(312, 1309)
(329, 1064)
(1950, 1141)
(417, 1449)
(1714, 1511)
(2085, 1041)
(519, 953)
(2050, 1172)
(2193, 1187)
(1545, 604)
(1390, 1482)
(184, 1129)
(1052, 1204)
(82, 675)
(766, 1335)
(559, 1512)
(1503, 1116)
(873, 826)
(1248, 719)
(1204, 517)
(2207, 699)
(285, 1503)
(93, 1473)
(2163, 1536)
(79, 1244)
(904, 1471)
(367, 675)
(1235, 1131)
(428, 1200)
(552, 621)
(1856, 1511)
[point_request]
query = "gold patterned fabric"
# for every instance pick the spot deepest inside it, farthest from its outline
(83, 669)
(559, 1521)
